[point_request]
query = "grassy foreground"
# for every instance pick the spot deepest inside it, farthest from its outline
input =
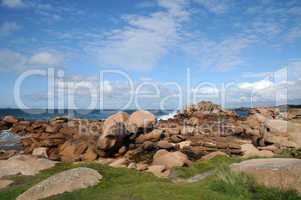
(129, 184)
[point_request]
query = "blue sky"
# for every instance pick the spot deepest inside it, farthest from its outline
(245, 43)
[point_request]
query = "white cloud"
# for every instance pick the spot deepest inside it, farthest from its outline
(46, 59)
(13, 3)
(8, 27)
(259, 85)
(215, 6)
(11, 61)
(145, 40)
(223, 55)
(16, 61)
(257, 75)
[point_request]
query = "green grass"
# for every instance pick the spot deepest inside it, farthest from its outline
(203, 166)
(241, 186)
(129, 184)
(291, 153)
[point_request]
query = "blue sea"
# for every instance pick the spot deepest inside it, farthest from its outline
(39, 114)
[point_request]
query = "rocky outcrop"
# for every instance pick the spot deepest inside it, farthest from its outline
(66, 181)
(283, 173)
(200, 131)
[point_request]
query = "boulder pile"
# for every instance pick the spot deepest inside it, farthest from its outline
(140, 141)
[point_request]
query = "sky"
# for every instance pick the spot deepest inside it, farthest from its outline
(151, 53)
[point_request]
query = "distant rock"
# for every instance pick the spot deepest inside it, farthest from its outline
(66, 181)
(24, 164)
(10, 119)
(283, 173)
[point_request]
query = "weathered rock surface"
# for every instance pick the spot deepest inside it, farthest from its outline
(249, 151)
(283, 133)
(40, 152)
(120, 117)
(283, 173)
(66, 181)
(159, 170)
(4, 183)
(170, 159)
(24, 164)
(4, 155)
(141, 120)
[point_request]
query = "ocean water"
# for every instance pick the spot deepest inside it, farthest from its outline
(38, 114)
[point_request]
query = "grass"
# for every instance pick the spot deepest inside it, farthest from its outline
(291, 153)
(129, 184)
(241, 186)
(204, 166)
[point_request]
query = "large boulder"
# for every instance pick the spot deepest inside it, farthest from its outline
(283, 133)
(24, 164)
(283, 173)
(170, 159)
(66, 181)
(141, 120)
(113, 138)
(71, 151)
(120, 117)
(114, 131)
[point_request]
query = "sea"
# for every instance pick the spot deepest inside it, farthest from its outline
(39, 114)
